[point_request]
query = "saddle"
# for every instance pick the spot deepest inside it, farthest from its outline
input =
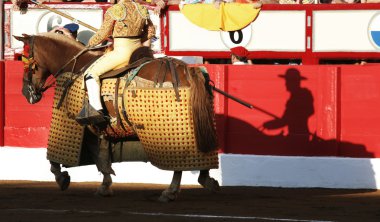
(88, 115)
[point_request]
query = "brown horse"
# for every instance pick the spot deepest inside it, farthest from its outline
(52, 54)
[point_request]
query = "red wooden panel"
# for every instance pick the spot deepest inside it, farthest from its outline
(360, 108)
(218, 76)
(262, 87)
(344, 122)
(337, 126)
(26, 125)
(26, 136)
(2, 74)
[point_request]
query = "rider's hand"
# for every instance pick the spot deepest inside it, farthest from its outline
(157, 10)
(160, 3)
(217, 4)
(159, 6)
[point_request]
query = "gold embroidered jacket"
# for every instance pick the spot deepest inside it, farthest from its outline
(124, 19)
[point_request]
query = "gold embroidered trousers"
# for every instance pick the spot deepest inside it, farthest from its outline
(117, 58)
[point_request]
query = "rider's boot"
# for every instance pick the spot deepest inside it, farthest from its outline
(92, 113)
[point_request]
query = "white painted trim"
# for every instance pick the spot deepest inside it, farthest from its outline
(280, 31)
(284, 171)
(235, 170)
(337, 35)
(31, 164)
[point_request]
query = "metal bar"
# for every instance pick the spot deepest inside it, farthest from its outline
(233, 97)
(244, 103)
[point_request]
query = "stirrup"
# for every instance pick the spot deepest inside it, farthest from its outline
(90, 116)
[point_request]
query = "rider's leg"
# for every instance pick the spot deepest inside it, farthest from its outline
(117, 58)
(123, 49)
(93, 88)
(93, 114)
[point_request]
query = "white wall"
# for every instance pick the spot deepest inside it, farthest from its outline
(234, 170)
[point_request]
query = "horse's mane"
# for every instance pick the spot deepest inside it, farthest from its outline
(60, 38)
(53, 51)
(67, 47)
(69, 43)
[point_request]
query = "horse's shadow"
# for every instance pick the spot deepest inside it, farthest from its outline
(257, 141)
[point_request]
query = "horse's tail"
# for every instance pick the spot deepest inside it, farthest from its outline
(202, 103)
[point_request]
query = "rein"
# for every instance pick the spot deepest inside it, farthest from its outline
(59, 72)
(32, 65)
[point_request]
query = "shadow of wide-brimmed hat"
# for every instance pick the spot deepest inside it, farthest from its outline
(292, 74)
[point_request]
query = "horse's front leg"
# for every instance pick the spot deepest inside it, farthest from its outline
(103, 163)
(105, 189)
(208, 182)
(62, 178)
(170, 194)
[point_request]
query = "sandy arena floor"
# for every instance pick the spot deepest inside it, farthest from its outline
(43, 201)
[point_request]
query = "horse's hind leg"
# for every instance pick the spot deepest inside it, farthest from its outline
(170, 194)
(62, 178)
(208, 182)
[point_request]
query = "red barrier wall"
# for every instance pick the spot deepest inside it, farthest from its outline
(337, 104)
(360, 109)
(344, 122)
(26, 125)
(2, 73)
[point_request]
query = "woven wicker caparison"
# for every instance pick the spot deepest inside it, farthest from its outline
(166, 130)
(164, 126)
(66, 135)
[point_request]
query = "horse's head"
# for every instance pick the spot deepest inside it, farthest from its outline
(35, 73)
(44, 55)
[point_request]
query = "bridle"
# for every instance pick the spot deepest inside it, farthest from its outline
(30, 67)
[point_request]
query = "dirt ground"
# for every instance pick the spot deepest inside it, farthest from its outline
(43, 201)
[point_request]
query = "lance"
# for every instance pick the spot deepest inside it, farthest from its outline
(64, 15)
(244, 103)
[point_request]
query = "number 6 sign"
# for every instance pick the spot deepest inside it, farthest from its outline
(237, 38)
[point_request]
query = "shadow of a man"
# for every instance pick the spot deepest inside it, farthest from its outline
(299, 108)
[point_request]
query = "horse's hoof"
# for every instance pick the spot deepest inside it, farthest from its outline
(211, 184)
(167, 197)
(63, 180)
(104, 191)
